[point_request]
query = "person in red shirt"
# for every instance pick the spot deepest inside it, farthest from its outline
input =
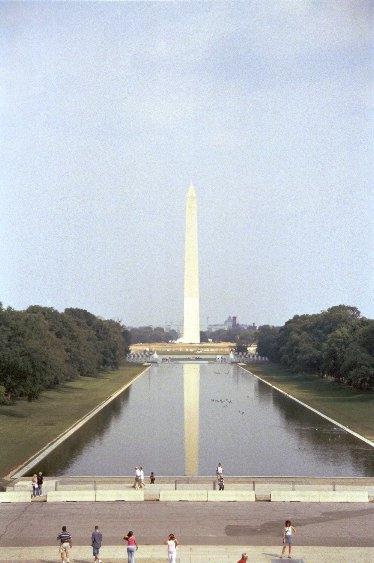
(244, 558)
(132, 546)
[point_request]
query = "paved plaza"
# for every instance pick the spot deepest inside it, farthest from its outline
(208, 532)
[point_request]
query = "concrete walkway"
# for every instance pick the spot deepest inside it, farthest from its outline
(194, 554)
(210, 524)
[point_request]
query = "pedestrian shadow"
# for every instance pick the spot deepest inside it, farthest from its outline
(285, 558)
(277, 558)
(71, 559)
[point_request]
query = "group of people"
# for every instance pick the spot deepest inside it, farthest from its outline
(132, 547)
(139, 478)
(37, 484)
(65, 545)
(64, 537)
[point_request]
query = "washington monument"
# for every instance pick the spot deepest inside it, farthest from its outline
(191, 325)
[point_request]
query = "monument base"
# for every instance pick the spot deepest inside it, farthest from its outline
(178, 348)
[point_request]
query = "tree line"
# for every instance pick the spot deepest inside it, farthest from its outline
(239, 335)
(336, 343)
(145, 334)
(41, 348)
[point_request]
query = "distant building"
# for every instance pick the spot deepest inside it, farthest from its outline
(230, 323)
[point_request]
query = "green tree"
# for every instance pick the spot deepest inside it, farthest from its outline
(337, 342)
(40, 348)
(268, 342)
(240, 348)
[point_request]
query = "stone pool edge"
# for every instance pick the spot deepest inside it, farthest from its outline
(355, 434)
(21, 469)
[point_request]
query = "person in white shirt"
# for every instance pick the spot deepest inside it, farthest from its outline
(288, 530)
(219, 471)
(141, 478)
(137, 478)
(172, 543)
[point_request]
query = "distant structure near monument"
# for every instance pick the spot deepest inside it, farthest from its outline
(191, 322)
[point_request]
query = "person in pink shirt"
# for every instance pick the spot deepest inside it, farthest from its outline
(132, 546)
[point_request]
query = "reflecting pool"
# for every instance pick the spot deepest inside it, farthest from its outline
(183, 418)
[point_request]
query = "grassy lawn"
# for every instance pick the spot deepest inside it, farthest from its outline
(25, 427)
(351, 408)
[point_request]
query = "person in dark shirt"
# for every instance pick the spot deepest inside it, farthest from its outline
(152, 478)
(40, 480)
(96, 541)
(221, 484)
(65, 545)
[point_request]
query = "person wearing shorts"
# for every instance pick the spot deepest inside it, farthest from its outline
(65, 545)
(288, 530)
(96, 541)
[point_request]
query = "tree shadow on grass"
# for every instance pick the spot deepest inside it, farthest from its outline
(13, 414)
(67, 389)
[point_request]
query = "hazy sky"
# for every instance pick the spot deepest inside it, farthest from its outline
(109, 109)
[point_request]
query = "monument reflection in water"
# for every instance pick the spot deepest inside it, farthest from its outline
(172, 425)
(191, 396)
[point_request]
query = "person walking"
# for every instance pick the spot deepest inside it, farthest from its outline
(288, 530)
(244, 558)
(221, 483)
(219, 470)
(40, 480)
(141, 478)
(152, 478)
(172, 543)
(132, 546)
(35, 488)
(96, 541)
(65, 545)
(137, 478)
